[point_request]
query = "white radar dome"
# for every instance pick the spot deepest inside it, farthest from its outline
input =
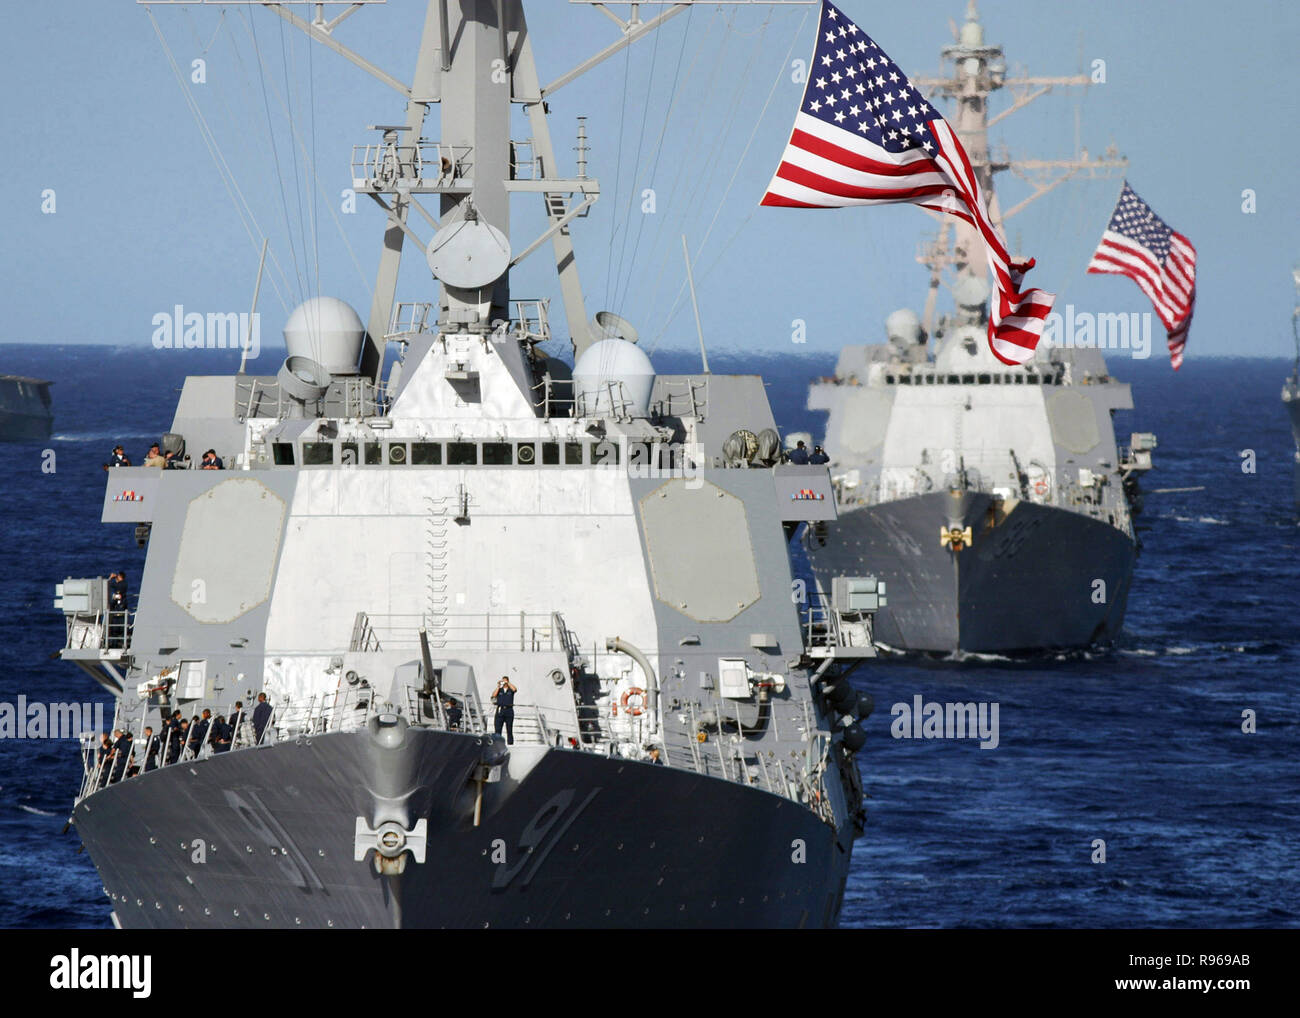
(903, 328)
(327, 331)
(971, 292)
(613, 376)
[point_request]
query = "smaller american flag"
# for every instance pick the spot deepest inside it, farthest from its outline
(1140, 245)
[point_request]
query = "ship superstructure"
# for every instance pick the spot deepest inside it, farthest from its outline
(418, 507)
(25, 414)
(993, 500)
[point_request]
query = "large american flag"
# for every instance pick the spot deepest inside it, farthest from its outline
(1140, 245)
(864, 135)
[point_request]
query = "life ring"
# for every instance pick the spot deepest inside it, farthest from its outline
(1040, 486)
(637, 709)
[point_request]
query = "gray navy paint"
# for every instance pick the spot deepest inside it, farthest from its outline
(383, 546)
(1291, 388)
(24, 409)
(992, 500)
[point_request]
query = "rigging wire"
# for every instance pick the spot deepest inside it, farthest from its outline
(247, 218)
(275, 152)
(297, 184)
(311, 86)
(325, 199)
(781, 71)
(618, 169)
(678, 210)
(636, 165)
(620, 300)
(232, 129)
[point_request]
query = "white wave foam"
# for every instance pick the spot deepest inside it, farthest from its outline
(38, 812)
(104, 436)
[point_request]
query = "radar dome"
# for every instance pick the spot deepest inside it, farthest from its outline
(903, 328)
(327, 331)
(971, 292)
(613, 376)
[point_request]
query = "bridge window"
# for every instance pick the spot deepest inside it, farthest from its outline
(426, 454)
(462, 454)
(526, 454)
(550, 454)
(349, 453)
(397, 454)
(282, 453)
(498, 454)
(605, 454)
(374, 453)
(315, 454)
(573, 454)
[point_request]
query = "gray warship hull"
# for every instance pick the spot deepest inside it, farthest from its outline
(264, 838)
(1291, 396)
(24, 409)
(1025, 583)
(20, 427)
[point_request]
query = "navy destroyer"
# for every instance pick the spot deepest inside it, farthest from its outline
(438, 632)
(1291, 388)
(25, 414)
(993, 500)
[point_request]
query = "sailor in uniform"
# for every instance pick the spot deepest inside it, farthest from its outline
(118, 459)
(504, 698)
(261, 717)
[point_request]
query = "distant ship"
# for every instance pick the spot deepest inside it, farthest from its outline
(1291, 390)
(24, 409)
(993, 500)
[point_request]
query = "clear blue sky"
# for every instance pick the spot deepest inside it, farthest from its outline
(1199, 96)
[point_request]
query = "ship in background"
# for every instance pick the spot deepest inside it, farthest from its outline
(993, 500)
(25, 414)
(383, 546)
(1291, 388)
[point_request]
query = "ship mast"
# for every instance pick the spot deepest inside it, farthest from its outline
(979, 70)
(476, 62)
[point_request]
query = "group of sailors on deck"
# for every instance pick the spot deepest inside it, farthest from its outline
(800, 456)
(178, 738)
(170, 460)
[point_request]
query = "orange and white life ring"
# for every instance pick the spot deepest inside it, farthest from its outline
(1040, 486)
(636, 709)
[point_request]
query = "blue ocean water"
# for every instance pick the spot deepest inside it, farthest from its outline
(1141, 747)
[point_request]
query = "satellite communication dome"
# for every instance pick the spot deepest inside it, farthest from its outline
(613, 376)
(903, 328)
(327, 331)
(971, 292)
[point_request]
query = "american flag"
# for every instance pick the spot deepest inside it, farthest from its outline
(864, 135)
(1140, 245)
